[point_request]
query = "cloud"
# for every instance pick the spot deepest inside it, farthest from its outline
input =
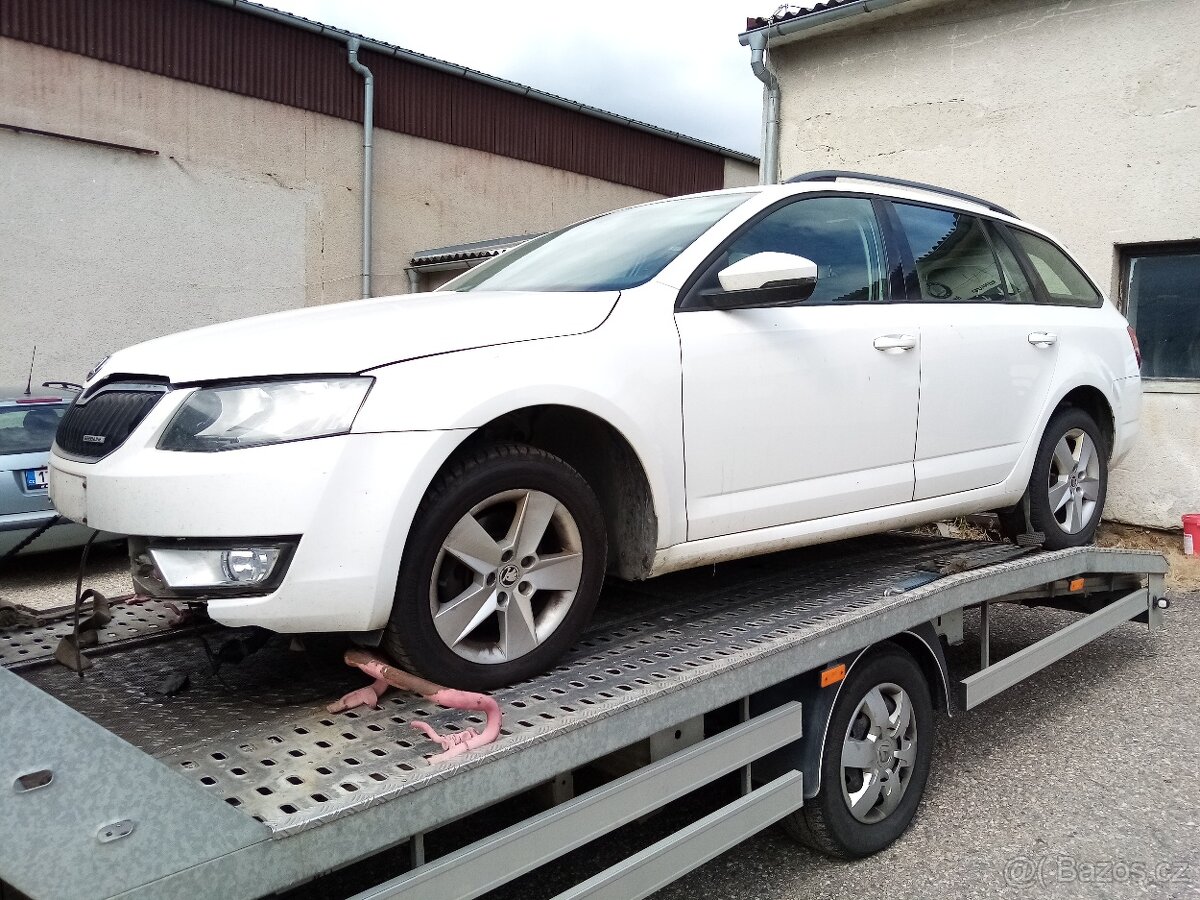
(676, 66)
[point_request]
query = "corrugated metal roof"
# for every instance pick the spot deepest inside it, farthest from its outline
(247, 49)
(469, 252)
(787, 11)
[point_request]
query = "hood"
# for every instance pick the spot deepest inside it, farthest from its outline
(362, 334)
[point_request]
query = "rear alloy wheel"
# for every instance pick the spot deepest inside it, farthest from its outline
(502, 573)
(875, 761)
(1069, 480)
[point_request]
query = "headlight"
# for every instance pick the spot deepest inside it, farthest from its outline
(251, 415)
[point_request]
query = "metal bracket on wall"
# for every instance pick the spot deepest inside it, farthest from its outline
(21, 129)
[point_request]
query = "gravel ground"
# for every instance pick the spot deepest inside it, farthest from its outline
(1081, 782)
(47, 580)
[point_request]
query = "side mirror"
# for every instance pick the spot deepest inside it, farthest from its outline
(764, 279)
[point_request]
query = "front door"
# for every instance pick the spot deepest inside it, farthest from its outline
(808, 411)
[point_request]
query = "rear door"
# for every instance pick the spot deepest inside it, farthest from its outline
(985, 375)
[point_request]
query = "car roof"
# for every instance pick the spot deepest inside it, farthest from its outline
(16, 396)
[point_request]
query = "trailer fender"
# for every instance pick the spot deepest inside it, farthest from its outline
(818, 702)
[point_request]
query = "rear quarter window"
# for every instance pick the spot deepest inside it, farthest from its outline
(1064, 281)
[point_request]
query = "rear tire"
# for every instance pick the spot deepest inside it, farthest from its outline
(1069, 483)
(875, 762)
(503, 567)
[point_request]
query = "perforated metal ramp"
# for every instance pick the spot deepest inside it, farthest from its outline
(253, 742)
(257, 737)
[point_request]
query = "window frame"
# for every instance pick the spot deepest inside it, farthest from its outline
(1125, 254)
(688, 299)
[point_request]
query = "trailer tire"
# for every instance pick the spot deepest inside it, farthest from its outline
(890, 780)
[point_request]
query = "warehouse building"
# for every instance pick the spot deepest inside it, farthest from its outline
(166, 164)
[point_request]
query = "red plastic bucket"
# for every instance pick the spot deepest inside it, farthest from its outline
(1191, 534)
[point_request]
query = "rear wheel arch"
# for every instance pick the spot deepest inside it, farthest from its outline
(1092, 401)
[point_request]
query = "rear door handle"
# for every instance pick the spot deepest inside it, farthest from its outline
(1043, 338)
(895, 343)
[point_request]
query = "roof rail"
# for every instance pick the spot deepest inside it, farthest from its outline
(835, 174)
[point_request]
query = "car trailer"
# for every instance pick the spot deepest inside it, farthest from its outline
(170, 768)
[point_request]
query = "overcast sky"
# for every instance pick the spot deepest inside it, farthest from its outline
(677, 65)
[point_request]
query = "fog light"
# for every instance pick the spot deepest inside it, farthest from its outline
(249, 566)
(188, 568)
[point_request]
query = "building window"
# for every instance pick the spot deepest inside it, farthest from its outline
(1160, 284)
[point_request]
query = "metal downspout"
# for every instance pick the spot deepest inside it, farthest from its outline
(768, 172)
(368, 140)
(414, 280)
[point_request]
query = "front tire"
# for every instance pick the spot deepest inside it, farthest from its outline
(504, 564)
(875, 762)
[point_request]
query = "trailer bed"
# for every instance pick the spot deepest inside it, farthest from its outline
(253, 787)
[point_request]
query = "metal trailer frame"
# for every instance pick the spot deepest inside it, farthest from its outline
(119, 798)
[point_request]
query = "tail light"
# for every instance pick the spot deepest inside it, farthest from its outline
(1137, 351)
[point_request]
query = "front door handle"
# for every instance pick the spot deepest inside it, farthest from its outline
(1043, 338)
(895, 343)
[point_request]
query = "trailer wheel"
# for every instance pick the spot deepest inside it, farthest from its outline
(503, 568)
(876, 759)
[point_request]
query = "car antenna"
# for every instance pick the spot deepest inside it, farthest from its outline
(29, 380)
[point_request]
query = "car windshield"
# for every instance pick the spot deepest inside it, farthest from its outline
(28, 428)
(611, 252)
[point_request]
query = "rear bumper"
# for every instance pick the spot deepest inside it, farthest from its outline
(25, 521)
(1127, 411)
(16, 528)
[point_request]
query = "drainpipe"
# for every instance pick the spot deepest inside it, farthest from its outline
(368, 135)
(768, 171)
(790, 29)
(414, 280)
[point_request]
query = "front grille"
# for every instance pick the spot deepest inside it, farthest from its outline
(97, 426)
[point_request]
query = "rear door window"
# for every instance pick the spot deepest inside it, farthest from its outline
(953, 258)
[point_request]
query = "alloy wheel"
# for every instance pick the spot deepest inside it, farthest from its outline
(1074, 481)
(506, 576)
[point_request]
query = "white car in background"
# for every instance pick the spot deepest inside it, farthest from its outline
(671, 385)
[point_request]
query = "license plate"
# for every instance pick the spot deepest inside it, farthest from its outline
(35, 479)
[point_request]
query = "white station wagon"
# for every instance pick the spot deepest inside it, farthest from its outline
(689, 381)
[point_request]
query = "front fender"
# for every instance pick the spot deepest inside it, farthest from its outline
(625, 373)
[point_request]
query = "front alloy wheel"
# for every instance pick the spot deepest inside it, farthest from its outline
(506, 577)
(504, 564)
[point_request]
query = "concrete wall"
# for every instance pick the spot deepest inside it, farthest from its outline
(248, 207)
(1082, 116)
